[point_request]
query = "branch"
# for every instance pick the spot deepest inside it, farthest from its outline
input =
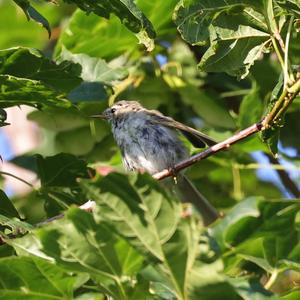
(271, 119)
(87, 206)
(209, 151)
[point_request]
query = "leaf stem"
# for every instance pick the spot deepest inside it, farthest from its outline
(287, 96)
(286, 52)
(277, 51)
(271, 280)
(18, 178)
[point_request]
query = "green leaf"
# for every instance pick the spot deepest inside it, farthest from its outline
(237, 33)
(293, 295)
(234, 220)
(17, 91)
(270, 136)
(6, 206)
(251, 108)
(15, 226)
(3, 116)
(160, 15)
(95, 69)
(61, 170)
(31, 64)
(27, 77)
(58, 119)
(127, 12)
(34, 279)
(80, 244)
(208, 107)
(144, 215)
(234, 46)
(290, 6)
(107, 40)
(32, 13)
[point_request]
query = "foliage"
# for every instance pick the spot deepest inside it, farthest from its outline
(219, 66)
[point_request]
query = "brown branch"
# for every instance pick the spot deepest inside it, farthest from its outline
(284, 177)
(271, 119)
(209, 151)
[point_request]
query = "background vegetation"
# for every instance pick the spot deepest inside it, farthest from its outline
(219, 66)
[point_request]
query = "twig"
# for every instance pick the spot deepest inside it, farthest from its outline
(209, 151)
(286, 52)
(284, 177)
(287, 96)
(87, 206)
(16, 177)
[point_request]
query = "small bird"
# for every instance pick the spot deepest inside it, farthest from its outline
(149, 141)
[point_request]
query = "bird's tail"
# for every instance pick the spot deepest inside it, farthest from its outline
(189, 193)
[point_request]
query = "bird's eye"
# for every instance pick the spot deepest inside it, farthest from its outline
(112, 110)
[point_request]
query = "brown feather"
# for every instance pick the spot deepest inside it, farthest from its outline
(197, 138)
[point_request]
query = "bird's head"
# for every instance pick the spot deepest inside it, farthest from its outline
(119, 109)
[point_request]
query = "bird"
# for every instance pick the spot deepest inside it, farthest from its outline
(150, 142)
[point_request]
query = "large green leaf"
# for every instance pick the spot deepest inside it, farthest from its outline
(127, 12)
(61, 170)
(27, 77)
(31, 64)
(34, 279)
(95, 69)
(147, 217)
(236, 32)
(107, 39)
(80, 244)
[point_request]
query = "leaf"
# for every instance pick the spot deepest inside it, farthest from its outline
(144, 215)
(290, 6)
(17, 91)
(293, 295)
(270, 240)
(3, 117)
(15, 226)
(251, 108)
(80, 244)
(58, 119)
(107, 40)
(236, 32)
(95, 69)
(61, 170)
(127, 12)
(239, 215)
(27, 77)
(270, 136)
(234, 50)
(208, 107)
(32, 13)
(34, 279)
(6, 206)
(31, 64)
(133, 216)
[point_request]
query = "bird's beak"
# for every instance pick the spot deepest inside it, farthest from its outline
(100, 116)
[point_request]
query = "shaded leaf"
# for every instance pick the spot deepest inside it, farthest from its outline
(35, 279)
(251, 108)
(61, 170)
(6, 206)
(127, 12)
(32, 13)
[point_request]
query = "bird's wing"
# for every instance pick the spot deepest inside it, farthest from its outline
(197, 138)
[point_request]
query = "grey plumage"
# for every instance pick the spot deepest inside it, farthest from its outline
(149, 141)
